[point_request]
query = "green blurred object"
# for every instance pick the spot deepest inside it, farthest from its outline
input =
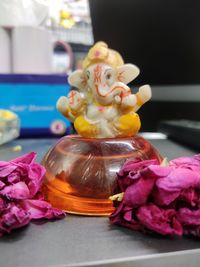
(9, 126)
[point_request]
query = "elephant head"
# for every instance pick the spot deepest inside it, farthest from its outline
(104, 74)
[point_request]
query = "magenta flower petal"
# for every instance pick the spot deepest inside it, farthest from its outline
(179, 179)
(186, 161)
(13, 218)
(136, 165)
(170, 187)
(35, 175)
(160, 171)
(189, 217)
(159, 220)
(6, 168)
(16, 217)
(131, 171)
(2, 205)
(20, 196)
(16, 191)
(2, 184)
(41, 209)
(123, 216)
(190, 196)
(115, 217)
(162, 199)
(13, 177)
(25, 159)
(137, 194)
(23, 169)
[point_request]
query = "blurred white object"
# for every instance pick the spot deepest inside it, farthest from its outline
(23, 12)
(9, 126)
(5, 49)
(32, 50)
(76, 35)
(78, 9)
(153, 135)
(62, 62)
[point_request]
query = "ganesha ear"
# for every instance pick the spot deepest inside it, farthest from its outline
(77, 79)
(127, 72)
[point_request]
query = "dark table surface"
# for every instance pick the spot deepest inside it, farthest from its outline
(92, 241)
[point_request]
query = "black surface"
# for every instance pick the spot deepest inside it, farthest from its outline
(161, 37)
(186, 132)
(155, 111)
(81, 241)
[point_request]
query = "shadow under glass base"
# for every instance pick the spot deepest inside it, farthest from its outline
(80, 172)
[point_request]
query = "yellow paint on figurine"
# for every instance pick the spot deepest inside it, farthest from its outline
(129, 124)
(84, 128)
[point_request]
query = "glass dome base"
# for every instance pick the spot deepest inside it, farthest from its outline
(81, 172)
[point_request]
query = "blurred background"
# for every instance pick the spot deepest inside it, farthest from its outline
(163, 39)
(41, 41)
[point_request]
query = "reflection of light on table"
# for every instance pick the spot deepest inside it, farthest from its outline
(152, 135)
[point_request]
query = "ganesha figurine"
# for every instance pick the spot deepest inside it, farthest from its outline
(82, 168)
(103, 106)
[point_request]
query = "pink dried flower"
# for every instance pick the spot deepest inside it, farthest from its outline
(12, 217)
(20, 198)
(24, 171)
(162, 199)
(162, 221)
(38, 209)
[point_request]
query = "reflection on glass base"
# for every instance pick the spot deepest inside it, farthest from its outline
(77, 205)
(81, 172)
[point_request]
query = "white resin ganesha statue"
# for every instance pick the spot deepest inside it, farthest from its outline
(104, 106)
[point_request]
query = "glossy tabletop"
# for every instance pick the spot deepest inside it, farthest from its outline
(92, 241)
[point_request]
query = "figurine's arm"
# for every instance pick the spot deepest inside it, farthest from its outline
(71, 106)
(135, 101)
(123, 97)
(126, 101)
(143, 95)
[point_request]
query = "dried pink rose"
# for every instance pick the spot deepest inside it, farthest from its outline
(160, 220)
(20, 198)
(162, 199)
(38, 209)
(175, 181)
(123, 215)
(13, 217)
(131, 172)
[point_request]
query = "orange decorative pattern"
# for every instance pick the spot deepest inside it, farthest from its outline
(71, 97)
(97, 73)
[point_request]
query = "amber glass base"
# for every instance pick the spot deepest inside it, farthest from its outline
(80, 172)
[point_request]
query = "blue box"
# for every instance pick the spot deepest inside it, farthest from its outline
(33, 98)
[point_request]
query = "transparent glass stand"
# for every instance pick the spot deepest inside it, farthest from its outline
(80, 172)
